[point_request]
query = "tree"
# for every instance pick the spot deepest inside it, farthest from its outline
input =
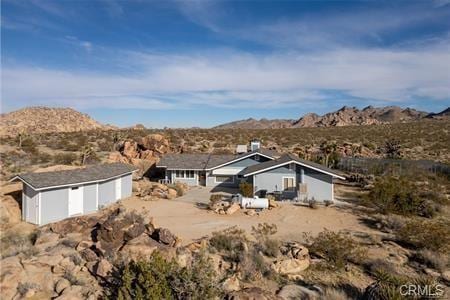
(392, 149)
(328, 149)
(88, 153)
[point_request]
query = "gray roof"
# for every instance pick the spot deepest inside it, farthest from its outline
(202, 161)
(69, 177)
(284, 159)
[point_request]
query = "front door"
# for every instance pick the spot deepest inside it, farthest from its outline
(118, 184)
(33, 209)
(202, 178)
(75, 200)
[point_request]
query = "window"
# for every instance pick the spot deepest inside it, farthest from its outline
(288, 183)
(224, 178)
(184, 174)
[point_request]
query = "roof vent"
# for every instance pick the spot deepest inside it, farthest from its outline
(255, 145)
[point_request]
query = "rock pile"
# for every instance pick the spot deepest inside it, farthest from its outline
(295, 260)
(223, 207)
(143, 154)
(71, 258)
(152, 190)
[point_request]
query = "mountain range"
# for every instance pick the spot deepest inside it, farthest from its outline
(45, 119)
(346, 116)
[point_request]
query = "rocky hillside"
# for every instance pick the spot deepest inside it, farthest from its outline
(45, 119)
(345, 116)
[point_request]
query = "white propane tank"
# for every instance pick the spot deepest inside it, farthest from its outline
(255, 202)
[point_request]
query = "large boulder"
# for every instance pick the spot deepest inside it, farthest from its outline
(140, 247)
(231, 284)
(156, 143)
(294, 291)
(290, 266)
(164, 236)
(10, 211)
(233, 208)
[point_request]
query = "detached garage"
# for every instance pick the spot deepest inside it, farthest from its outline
(52, 196)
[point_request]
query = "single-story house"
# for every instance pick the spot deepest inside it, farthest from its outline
(52, 196)
(287, 176)
(210, 169)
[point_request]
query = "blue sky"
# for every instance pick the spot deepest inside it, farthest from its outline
(202, 63)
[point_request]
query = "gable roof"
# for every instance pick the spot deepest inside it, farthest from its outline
(287, 159)
(97, 173)
(205, 161)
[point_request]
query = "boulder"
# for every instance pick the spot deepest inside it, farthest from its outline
(140, 247)
(294, 250)
(294, 291)
(446, 276)
(46, 237)
(155, 142)
(61, 284)
(164, 236)
(272, 203)
(102, 268)
(219, 265)
(250, 212)
(290, 266)
(11, 274)
(88, 255)
(83, 245)
(231, 284)
(50, 260)
(130, 149)
(171, 193)
(10, 211)
(134, 231)
(73, 292)
(232, 209)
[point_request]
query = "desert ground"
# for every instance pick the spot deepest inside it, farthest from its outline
(190, 220)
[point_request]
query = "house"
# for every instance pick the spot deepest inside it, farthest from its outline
(287, 177)
(210, 169)
(52, 196)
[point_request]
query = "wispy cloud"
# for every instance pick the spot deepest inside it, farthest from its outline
(240, 79)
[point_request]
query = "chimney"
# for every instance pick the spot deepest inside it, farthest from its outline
(254, 145)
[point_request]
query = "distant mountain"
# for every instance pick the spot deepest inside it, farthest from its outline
(345, 116)
(45, 119)
(441, 115)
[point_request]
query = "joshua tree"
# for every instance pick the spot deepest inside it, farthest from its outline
(392, 149)
(328, 149)
(87, 153)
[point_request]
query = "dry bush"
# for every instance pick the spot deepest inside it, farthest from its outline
(231, 242)
(265, 243)
(426, 234)
(335, 247)
(432, 259)
(12, 243)
(246, 189)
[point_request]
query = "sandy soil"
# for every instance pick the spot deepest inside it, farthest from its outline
(190, 222)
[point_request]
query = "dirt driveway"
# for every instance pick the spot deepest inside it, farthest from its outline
(189, 221)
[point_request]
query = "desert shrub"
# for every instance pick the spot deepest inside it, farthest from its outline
(145, 279)
(266, 244)
(432, 259)
(158, 278)
(177, 187)
(388, 286)
(312, 203)
(29, 146)
(400, 196)
(253, 266)
(65, 158)
(73, 279)
(334, 294)
(426, 234)
(231, 241)
(24, 287)
(246, 189)
(13, 243)
(197, 281)
(41, 157)
(335, 247)
(214, 199)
